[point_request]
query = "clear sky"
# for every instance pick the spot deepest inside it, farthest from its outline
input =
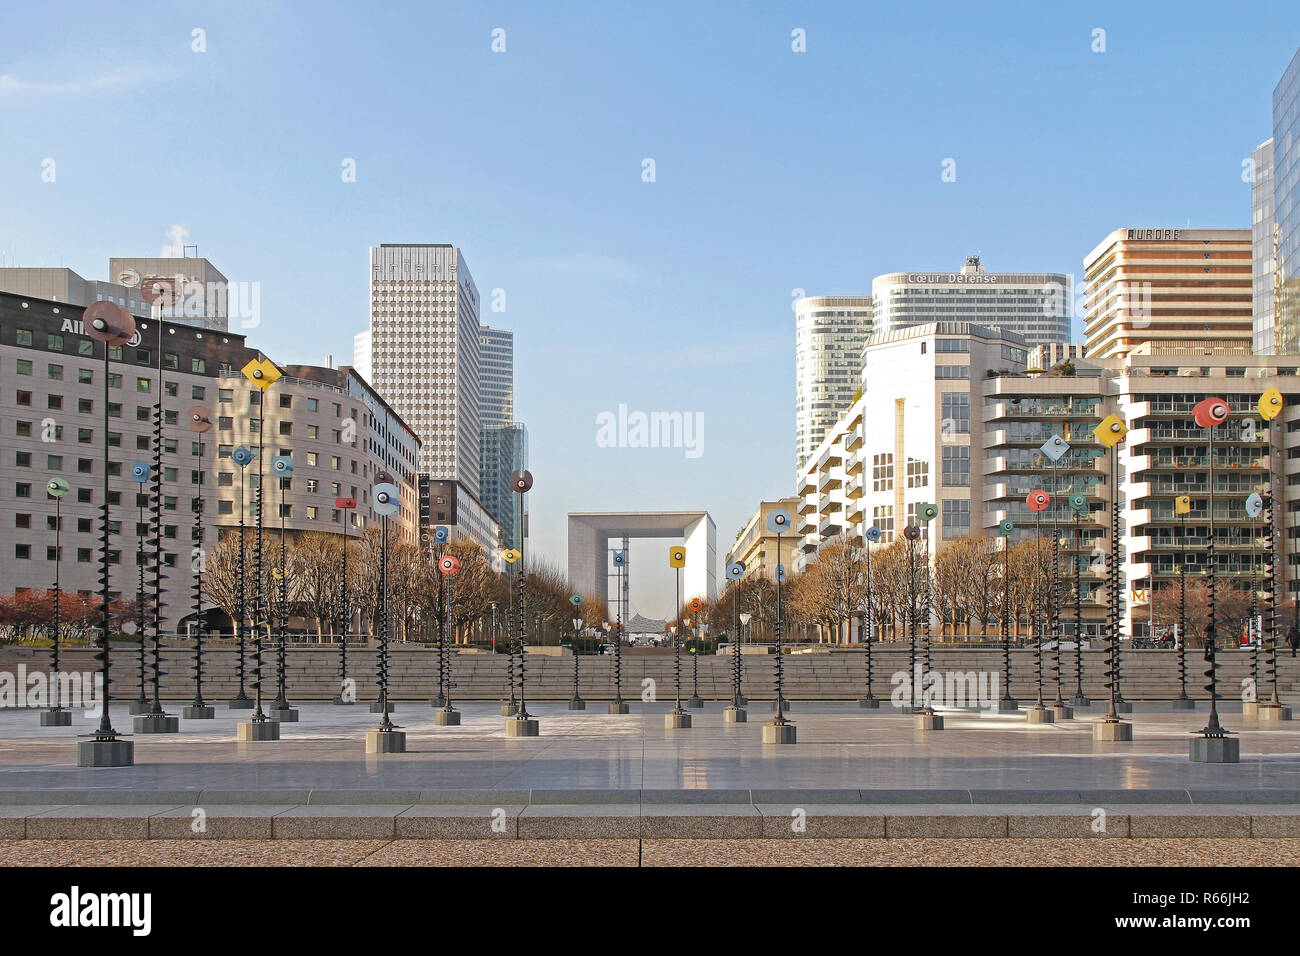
(774, 171)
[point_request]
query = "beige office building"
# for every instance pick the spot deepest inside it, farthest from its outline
(1169, 292)
(756, 546)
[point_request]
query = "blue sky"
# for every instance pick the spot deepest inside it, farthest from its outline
(775, 171)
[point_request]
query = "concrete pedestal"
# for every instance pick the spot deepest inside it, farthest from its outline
(1006, 706)
(734, 715)
(1269, 713)
(251, 730)
(1214, 750)
(137, 707)
(447, 718)
(618, 707)
(1078, 701)
(285, 715)
(695, 703)
(741, 701)
(677, 721)
(785, 706)
(509, 710)
(437, 700)
(1182, 703)
(868, 703)
(378, 707)
(240, 703)
(56, 718)
(778, 733)
(1250, 708)
(105, 753)
(1111, 730)
(1123, 707)
(1038, 715)
(385, 741)
(521, 727)
(927, 722)
(342, 702)
(201, 712)
(1061, 712)
(577, 703)
(156, 724)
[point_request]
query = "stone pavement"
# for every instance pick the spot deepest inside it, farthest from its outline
(590, 775)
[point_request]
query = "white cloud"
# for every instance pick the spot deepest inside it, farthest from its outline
(175, 248)
(111, 81)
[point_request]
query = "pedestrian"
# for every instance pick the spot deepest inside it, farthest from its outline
(1293, 638)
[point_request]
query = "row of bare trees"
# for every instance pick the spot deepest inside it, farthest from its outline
(967, 585)
(478, 596)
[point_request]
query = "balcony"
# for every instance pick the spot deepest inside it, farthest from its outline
(807, 483)
(855, 487)
(854, 465)
(828, 504)
(833, 455)
(853, 439)
(807, 523)
(807, 504)
(829, 481)
(830, 526)
(857, 511)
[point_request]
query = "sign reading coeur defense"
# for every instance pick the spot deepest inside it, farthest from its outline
(345, 502)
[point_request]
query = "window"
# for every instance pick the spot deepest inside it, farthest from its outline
(23, 459)
(24, 398)
(311, 459)
(23, 552)
(54, 462)
(225, 423)
(23, 489)
(956, 466)
(171, 389)
(54, 341)
(23, 429)
(22, 521)
(114, 380)
(23, 336)
(956, 517)
(84, 497)
(286, 428)
(955, 410)
(23, 367)
(311, 512)
(313, 486)
(286, 401)
(54, 372)
(313, 431)
(312, 404)
(143, 384)
(882, 472)
(86, 347)
(54, 401)
(226, 479)
(226, 508)
(85, 406)
(225, 451)
(143, 413)
(198, 366)
(225, 395)
(85, 435)
(171, 360)
(85, 376)
(197, 392)
(142, 356)
(883, 518)
(952, 371)
(951, 345)
(918, 473)
(85, 466)
(83, 555)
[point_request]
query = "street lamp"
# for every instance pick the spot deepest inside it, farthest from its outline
(1212, 745)
(448, 716)
(56, 716)
(347, 691)
(677, 719)
(1007, 704)
(241, 456)
(925, 717)
(618, 705)
(1078, 508)
(510, 707)
(140, 475)
(1270, 406)
(281, 709)
(1054, 449)
(1038, 501)
(867, 621)
(112, 325)
(696, 606)
(386, 738)
(200, 422)
(735, 714)
(576, 703)
(1110, 432)
(522, 724)
(780, 730)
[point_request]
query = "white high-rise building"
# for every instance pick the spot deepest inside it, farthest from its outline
(424, 339)
(830, 331)
(1034, 305)
(362, 354)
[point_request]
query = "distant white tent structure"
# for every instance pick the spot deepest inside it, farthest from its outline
(643, 627)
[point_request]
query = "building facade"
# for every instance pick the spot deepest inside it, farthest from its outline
(1263, 243)
(1286, 208)
(425, 353)
(496, 376)
(829, 334)
(1033, 305)
(756, 546)
(1170, 292)
(52, 416)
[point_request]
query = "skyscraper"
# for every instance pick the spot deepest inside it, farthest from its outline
(1263, 236)
(1169, 291)
(1286, 208)
(1034, 305)
(830, 331)
(425, 345)
(497, 376)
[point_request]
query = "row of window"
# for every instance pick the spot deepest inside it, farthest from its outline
(54, 342)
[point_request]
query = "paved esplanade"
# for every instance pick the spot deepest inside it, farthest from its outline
(840, 748)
